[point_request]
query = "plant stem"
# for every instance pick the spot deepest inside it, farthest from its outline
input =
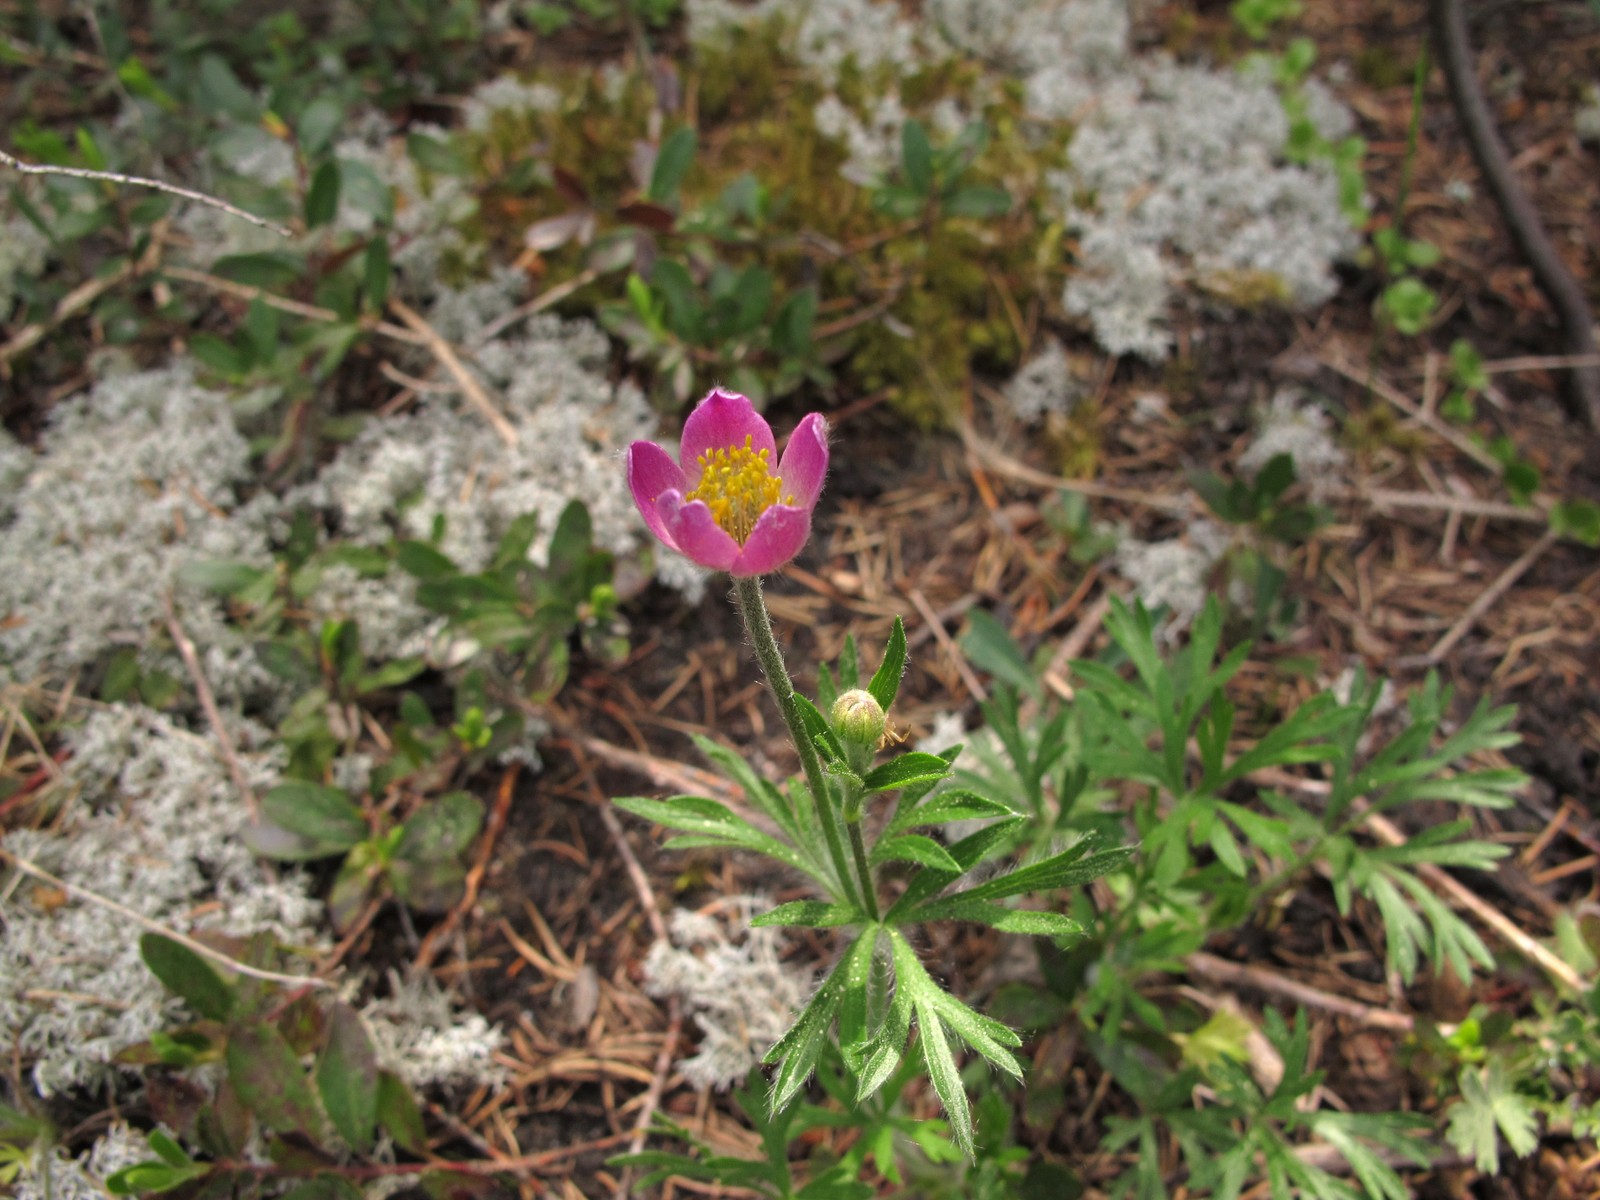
(753, 609)
(858, 848)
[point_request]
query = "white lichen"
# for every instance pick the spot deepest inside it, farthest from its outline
(156, 824)
(873, 36)
(443, 466)
(55, 1175)
(507, 94)
(419, 1033)
(1120, 287)
(1045, 384)
(731, 979)
(1178, 176)
(873, 143)
(1297, 427)
(1173, 574)
(137, 477)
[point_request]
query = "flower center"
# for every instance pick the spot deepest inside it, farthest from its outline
(737, 485)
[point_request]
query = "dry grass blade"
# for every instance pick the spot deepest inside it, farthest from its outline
(28, 867)
(158, 185)
(451, 362)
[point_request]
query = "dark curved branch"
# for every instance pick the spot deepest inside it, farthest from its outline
(1563, 291)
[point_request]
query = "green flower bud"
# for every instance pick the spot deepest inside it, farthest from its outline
(859, 718)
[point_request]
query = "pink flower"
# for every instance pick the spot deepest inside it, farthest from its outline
(726, 508)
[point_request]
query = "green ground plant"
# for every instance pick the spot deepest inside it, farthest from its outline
(1147, 746)
(311, 1119)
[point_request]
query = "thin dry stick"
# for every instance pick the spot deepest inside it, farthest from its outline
(413, 387)
(1370, 379)
(245, 291)
(1566, 294)
(30, 868)
(661, 772)
(1542, 362)
(431, 944)
(940, 635)
(1489, 595)
(1469, 506)
(451, 362)
(1003, 464)
(1443, 881)
(173, 189)
(208, 705)
(1072, 646)
(544, 300)
(32, 56)
(1231, 974)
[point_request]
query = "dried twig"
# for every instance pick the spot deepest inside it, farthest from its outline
(970, 681)
(545, 299)
(311, 312)
(32, 56)
(1442, 881)
(1072, 646)
(1561, 288)
(30, 868)
(661, 772)
(1001, 463)
(172, 189)
(496, 824)
(1488, 596)
(208, 705)
(1232, 974)
(1368, 378)
(451, 362)
(1469, 506)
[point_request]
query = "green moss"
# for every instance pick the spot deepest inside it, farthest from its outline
(959, 287)
(741, 79)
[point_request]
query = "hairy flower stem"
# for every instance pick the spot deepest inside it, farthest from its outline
(858, 849)
(753, 609)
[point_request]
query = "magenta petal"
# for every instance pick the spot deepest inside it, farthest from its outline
(651, 475)
(696, 534)
(777, 537)
(724, 419)
(805, 462)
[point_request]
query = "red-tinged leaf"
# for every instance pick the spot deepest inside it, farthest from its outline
(223, 1126)
(399, 1115)
(347, 1077)
(303, 1024)
(570, 186)
(174, 1101)
(270, 1080)
(297, 1154)
(651, 216)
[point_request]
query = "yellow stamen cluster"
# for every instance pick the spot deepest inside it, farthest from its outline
(737, 485)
